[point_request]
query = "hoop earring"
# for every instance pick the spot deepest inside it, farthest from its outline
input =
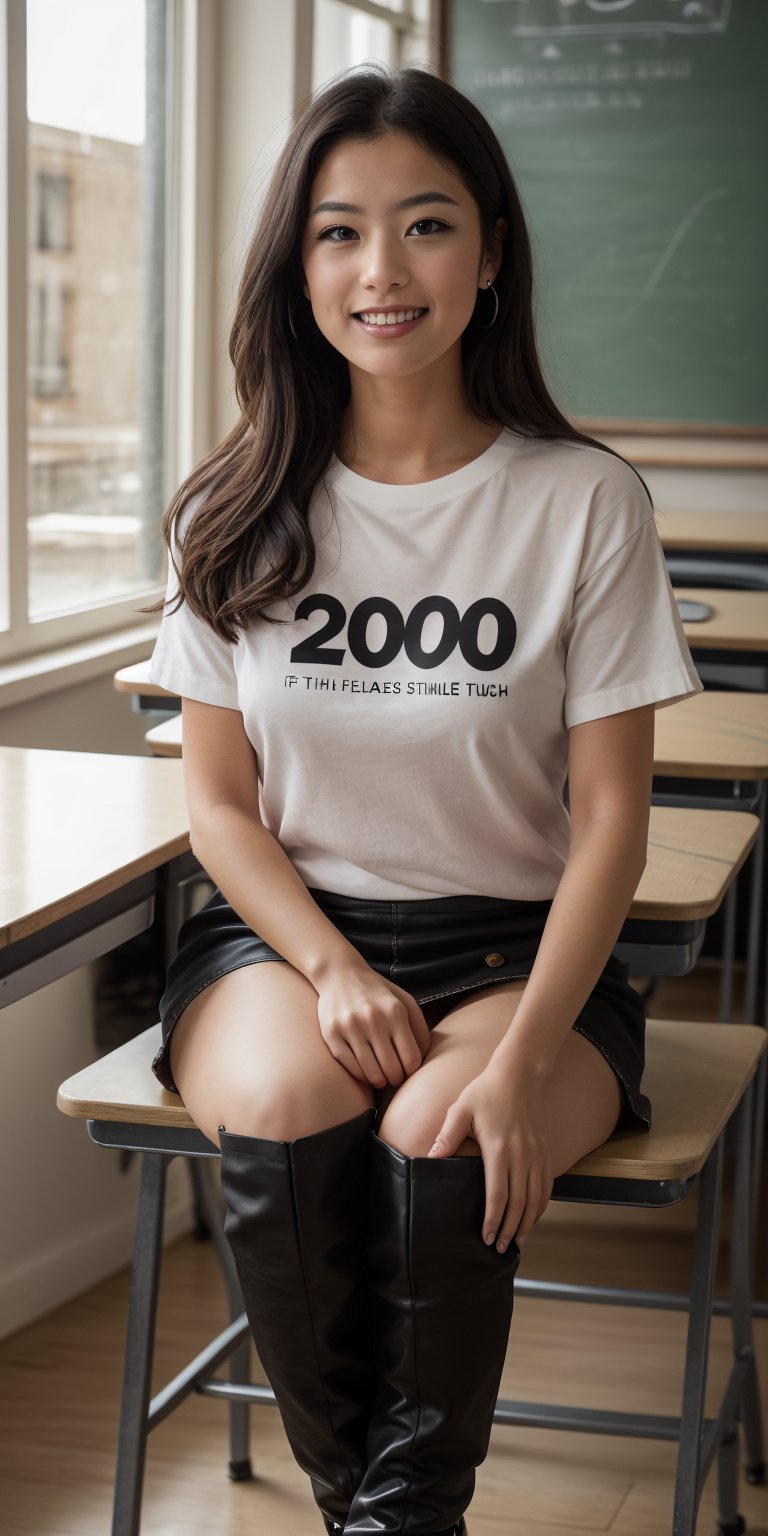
(487, 327)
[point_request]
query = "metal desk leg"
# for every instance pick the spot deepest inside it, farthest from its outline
(688, 1481)
(174, 909)
(139, 1345)
(755, 936)
(757, 1141)
(742, 1280)
(729, 951)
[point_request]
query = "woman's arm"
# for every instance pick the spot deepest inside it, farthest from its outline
(372, 1026)
(241, 855)
(610, 773)
(610, 779)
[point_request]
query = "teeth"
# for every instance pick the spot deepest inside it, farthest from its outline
(376, 317)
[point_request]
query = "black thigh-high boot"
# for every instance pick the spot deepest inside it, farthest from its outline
(296, 1223)
(442, 1307)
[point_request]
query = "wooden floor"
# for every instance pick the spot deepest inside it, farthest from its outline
(60, 1387)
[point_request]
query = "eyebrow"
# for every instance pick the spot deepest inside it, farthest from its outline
(407, 202)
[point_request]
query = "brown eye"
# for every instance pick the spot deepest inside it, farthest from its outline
(438, 222)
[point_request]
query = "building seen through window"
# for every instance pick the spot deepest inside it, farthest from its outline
(95, 300)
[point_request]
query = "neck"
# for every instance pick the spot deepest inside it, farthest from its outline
(405, 428)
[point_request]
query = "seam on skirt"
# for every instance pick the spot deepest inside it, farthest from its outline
(620, 1075)
(472, 986)
(393, 966)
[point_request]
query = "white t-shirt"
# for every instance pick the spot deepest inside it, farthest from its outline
(410, 722)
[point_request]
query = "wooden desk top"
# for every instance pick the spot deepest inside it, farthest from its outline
(135, 679)
(711, 735)
(77, 825)
(739, 620)
(164, 740)
(693, 856)
(742, 532)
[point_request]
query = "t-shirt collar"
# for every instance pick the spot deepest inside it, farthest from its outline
(429, 493)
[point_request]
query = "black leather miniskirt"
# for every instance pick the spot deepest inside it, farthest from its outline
(437, 949)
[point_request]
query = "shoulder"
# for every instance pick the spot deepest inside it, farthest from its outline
(591, 502)
(590, 477)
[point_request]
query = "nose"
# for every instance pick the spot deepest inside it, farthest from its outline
(383, 265)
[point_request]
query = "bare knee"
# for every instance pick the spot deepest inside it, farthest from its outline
(582, 1102)
(284, 1111)
(412, 1121)
(247, 1054)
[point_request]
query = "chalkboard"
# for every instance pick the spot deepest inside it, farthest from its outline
(637, 132)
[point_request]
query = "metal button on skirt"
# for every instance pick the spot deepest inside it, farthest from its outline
(438, 950)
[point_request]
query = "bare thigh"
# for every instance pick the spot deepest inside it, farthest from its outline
(582, 1097)
(247, 1053)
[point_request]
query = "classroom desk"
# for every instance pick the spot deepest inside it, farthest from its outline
(736, 533)
(88, 842)
(712, 751)
(721, 549)
(144, 695)
(713, 735)
(731, 646)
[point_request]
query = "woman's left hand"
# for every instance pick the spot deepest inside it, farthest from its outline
(505, 1116)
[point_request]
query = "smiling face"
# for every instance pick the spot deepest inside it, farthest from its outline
(373, 256)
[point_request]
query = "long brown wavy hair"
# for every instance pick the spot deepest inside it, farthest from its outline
(249, 543)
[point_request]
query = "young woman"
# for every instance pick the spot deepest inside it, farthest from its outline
(413, 601)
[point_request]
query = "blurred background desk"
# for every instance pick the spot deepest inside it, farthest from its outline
(730, 648)
(728, 549)
(89, 844)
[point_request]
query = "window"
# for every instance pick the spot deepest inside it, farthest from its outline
(95, 365)
(346, 34)
(53, 210)
(50, 315)
(82, 268)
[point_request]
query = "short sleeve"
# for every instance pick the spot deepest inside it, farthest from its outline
(189, 658)
(625, 644)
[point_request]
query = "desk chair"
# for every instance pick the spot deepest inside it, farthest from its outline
(699, 1078)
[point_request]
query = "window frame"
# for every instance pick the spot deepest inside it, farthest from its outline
(415, 40)
(189, 172)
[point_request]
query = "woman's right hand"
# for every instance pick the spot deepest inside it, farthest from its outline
(372, 1026)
